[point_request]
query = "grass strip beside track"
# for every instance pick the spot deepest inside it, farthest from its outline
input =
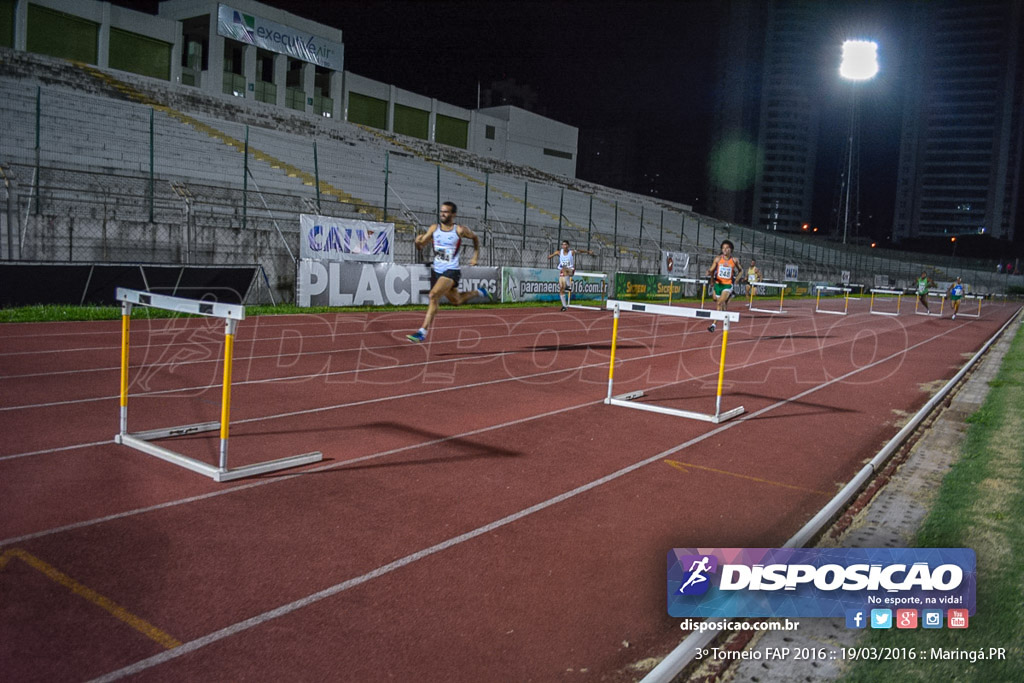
(980, 506)
(57, 313)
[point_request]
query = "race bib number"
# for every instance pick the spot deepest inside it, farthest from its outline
(444, 255)
(724, 272)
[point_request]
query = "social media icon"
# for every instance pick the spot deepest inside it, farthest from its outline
(856, 618)
(957, 618)
(881, 618)
(931, 618)
(906, 618)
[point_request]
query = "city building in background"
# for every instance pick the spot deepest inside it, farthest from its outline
(762, 167)
(960, 159)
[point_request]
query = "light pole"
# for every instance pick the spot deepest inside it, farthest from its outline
(860, 63)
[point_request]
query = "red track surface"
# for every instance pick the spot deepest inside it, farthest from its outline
(480, 514)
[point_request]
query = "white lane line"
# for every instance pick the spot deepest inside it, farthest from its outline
(339, 406)
(306, 376)
(383, 570)
(218, 331)
(285, 477)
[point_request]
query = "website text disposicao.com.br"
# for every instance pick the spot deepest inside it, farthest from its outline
(712, 625)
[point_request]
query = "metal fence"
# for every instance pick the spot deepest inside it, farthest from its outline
(89, 178)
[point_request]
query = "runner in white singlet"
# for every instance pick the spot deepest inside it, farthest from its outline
(445, 272)
(566, 268)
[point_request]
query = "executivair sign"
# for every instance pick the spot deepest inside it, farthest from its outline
(253, 30)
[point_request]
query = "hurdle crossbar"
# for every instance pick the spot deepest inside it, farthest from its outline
(753, 291)
(976, 314)
(893, 292)
(625, 400)
(846, 300)
(689, 281)
(942, 304)
(232, 314)
(604, 291)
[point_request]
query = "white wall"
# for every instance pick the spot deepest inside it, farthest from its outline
(529, 134)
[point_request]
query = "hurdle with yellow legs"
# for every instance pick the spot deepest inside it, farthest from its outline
(604, 290)
(126, 319)
(232, 314)
(627, 400)
(703, 282)
(781, 286)
(846, 300)
(917, 303)
(977, 313)
(898, 293)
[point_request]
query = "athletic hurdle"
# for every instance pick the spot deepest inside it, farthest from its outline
(942, 304)
(782, 294)
(232, 314)
(703, 282)
(976, 314)
(846, 300)
(625, 400)
(897, 293)
(604, 291)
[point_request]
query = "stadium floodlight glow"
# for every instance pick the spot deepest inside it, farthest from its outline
(860, 60)
(860, 63)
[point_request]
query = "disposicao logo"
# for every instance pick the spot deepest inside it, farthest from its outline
(695, 581)
(808, 582)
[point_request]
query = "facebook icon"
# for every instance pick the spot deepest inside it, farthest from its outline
(856, 618)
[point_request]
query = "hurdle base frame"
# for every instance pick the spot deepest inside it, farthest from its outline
(140, 441)
(623, 400)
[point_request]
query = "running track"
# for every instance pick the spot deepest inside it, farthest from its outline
(480, 514)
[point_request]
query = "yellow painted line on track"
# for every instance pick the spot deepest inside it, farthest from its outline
(683, 466)
(141, 625)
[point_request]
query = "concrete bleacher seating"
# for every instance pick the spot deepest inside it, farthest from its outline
(94, 164)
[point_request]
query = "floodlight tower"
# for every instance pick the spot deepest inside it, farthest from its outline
(860, 63)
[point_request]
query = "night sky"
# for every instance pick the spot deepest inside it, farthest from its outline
(646, 66)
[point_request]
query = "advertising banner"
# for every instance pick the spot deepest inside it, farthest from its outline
(286, 40)
(541, 284)
(819, 582)
(642, 287)
(675, 263)
(345, 239)
(795, 288)
(320, 283)
(792, 271)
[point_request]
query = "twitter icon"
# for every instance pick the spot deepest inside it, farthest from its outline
(881, 618)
